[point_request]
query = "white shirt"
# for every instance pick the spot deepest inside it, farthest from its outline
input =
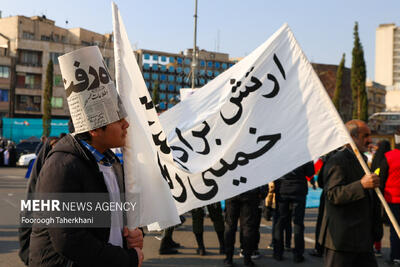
(116, 216)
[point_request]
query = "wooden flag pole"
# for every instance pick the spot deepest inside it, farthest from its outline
(377, 190)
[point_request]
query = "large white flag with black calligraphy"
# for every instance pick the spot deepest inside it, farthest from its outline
(258, 120)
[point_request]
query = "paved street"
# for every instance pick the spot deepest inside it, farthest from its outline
(12, 183)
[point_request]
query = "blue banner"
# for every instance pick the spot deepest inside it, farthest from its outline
(18, 129)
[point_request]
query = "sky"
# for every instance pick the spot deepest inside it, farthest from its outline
(324, 29)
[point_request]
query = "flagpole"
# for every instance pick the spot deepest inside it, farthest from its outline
(377, 190)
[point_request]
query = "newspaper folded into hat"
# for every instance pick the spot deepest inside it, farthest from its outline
(92, 98)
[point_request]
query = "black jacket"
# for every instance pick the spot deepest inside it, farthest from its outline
(294, 183)
(351, 221)
(71, 168)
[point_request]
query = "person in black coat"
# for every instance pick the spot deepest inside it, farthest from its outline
(351, 221)
(71, 167)
(291, 191)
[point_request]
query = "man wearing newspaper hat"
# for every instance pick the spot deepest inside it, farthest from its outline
(83, 163)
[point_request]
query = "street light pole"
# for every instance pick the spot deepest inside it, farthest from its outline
(194, 56)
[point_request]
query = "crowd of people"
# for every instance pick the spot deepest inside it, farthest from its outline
(8, 153)
(350, 220)
(350, 215)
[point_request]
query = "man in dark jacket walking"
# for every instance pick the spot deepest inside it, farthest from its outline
(351, 221)
(291, 191)
(83, 163)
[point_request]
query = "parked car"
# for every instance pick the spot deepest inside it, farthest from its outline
(26, 147)
(25, 160)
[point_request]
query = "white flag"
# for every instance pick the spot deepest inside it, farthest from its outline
(144, 184)
(255, 122)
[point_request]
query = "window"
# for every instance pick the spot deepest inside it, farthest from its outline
(86, 43)
(209, 64)
(202, 82)
(56, 102)
(154, 76)
(209, 73)
(171, 87)
(224, 66)
(178, 87)
(146, 75)
(171, 78)
(171, 97)
(57, 80)
(30, 58)
(162, 105)
(163, 68)
(162, 96)
(63, 39)
(3, 95)
(171, 59)
(28, 103)
(202, 63)
(230, 65)
(30, 81)
(146, 66)
(171, 69)
(179, 70)
(28, 35)
(163, 58)
(217, 65)
(154, 67)
(146, 56)
(155, 57)
(187, 61)
(4, 72)
(163, 86)
(216, 73)
(186, 70)
(56, 38)
(178, 79)
(45, 38)
(202, 72)
(147, 84)
(163, 77)
(180, 60)
(54, 57)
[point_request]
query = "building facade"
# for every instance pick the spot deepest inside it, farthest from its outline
(169, 72)
(387, 55)
(327, 74)
(376, 94)
(28, 44)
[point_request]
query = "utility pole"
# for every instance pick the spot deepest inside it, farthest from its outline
(194, 56)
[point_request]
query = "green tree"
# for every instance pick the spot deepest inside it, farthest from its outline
(358, 76)
(156, 96)
(339, 84)
(47, 95)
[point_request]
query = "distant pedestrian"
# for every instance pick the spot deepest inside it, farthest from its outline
(390, 175)
(291, 191)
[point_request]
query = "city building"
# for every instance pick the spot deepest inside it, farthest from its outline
(169, 72)
(376, 97)
(327, 75)
(26, 46)
(387, 55)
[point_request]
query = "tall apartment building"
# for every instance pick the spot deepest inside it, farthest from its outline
(170, 72)
(387, 54)
(26, 46)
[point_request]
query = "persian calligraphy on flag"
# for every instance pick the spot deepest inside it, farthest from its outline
(255, 122)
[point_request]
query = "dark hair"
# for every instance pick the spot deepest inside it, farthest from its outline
(85, 136)
(383, 147)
